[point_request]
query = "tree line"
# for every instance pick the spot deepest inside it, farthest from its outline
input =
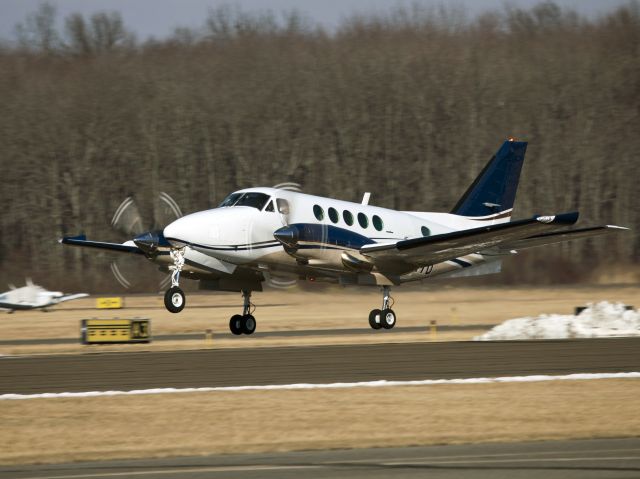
(408, 104)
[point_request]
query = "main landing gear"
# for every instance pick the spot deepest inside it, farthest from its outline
(385, 317)
(174, 299)
(244, 323)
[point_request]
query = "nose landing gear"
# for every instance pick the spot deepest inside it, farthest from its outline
(174, 299)
(385, 317)
(244, 323)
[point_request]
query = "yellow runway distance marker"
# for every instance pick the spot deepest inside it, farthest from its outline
(109, 303)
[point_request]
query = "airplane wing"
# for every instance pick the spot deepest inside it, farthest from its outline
(560, 236)
(127, 247)
(406, 255)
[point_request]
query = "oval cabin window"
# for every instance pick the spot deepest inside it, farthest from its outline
(333, 215)
(318, 212)
(348, 217)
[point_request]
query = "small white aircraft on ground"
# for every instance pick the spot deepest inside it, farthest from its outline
(33, 296)
(258, 233)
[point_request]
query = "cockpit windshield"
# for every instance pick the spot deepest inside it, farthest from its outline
(230, 200)
(253, 199)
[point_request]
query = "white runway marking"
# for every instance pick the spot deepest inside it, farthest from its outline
(366, 384)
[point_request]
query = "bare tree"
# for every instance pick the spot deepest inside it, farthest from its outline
(408, 104)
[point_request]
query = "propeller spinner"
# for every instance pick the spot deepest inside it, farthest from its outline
(147, 235)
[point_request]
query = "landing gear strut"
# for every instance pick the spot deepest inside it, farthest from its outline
(244, 323)
(174, 299)
(385, 317)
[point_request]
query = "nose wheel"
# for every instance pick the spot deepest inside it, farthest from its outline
(244, 323)
(174, 299)
(385, 317)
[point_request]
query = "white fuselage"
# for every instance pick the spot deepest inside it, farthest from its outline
(331, 233)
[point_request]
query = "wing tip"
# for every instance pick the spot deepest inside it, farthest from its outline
(617, 228)
(69, 239)
(560, 219)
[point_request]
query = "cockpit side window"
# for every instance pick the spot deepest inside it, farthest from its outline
(270, 207)
(230, 200)
(255, 200)
(283, 206)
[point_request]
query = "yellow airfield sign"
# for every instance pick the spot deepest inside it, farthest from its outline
(110, 303)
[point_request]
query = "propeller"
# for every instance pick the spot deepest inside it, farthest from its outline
(287, 235)
(147, 235)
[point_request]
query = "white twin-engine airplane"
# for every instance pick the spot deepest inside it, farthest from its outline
(33, 296)
(258, 233)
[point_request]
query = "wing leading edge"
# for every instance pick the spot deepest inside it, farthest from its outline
(408, 254)
(120, 247)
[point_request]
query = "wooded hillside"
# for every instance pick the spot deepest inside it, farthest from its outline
(409, 105)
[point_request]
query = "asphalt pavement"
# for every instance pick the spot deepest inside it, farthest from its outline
(315, 364)
(583, 459)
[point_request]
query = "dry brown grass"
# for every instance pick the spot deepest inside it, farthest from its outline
(60, 430)
(331, 308)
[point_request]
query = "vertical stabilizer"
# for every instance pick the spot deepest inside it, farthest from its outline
(493, 192)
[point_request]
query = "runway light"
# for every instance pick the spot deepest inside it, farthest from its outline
(433, 330)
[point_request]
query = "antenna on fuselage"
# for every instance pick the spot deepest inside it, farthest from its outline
(365, 198)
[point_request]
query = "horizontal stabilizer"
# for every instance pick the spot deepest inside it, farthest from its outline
(561, 236)
(408, 254)
(82, 241)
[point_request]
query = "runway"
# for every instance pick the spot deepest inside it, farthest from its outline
(599, 458)
(315, 364)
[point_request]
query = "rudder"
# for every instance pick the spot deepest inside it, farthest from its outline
(493, 192)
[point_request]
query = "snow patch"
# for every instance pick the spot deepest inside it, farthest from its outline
(598, 320)
(366, 384)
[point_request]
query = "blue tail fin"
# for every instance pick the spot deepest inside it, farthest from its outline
(492, 194)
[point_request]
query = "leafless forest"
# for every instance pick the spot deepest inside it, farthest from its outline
(409, 105)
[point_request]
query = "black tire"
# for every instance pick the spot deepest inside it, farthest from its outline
(174, 300)
(236, 324)
(372, 319)
(388, 319)
(248, 324)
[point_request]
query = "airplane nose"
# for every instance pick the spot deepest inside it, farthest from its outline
(175, 233)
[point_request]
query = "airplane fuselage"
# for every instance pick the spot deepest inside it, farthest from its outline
(328, 236)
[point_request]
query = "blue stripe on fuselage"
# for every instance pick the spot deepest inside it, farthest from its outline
(331, 235)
